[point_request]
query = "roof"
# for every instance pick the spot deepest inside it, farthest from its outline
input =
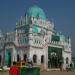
(36, 11)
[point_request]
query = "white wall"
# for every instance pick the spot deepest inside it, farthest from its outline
(38, 52)
(65, 55)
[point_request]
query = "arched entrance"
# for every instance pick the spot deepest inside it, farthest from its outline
(8, 57)
(25, 57)
(67, 60)
(54, 57)
(42, 59)
(54, 60)
(8, 53)
(35, 58)
(18, 57)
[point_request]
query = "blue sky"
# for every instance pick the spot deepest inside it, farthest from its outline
(62, 12)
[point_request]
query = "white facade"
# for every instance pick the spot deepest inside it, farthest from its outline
(38, 40)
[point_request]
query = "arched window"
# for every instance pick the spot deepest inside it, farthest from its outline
(34, 58)
(42, 59)
(25, 57)
(67, 60)
(18, 58)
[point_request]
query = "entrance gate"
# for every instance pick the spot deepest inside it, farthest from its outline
(54, 57)
(8, 57)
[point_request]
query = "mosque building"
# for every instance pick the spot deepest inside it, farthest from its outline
(35, 38)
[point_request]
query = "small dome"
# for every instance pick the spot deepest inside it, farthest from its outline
(35, 11)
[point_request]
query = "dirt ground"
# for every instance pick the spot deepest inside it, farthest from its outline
(47, 73)
(57, 73)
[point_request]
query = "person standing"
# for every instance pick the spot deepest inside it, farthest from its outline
(14, 69)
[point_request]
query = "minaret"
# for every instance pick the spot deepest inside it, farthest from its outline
(69, 42)
(69, 46)
(16, 36)
(69, 39)
(0, 33)
(70, 50)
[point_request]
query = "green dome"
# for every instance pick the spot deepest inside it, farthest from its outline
(35, 11)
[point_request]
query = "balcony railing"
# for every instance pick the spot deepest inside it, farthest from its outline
(56, 43)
